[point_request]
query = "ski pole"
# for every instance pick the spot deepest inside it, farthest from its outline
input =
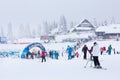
(91, 63)
(86, 64)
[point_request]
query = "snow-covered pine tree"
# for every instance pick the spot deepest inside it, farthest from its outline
(2, 32)
(63, 24)
(10, 33)
(27, 31)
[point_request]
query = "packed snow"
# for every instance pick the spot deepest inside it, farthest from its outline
(13, 68)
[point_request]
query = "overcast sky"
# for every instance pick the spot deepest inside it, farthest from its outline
(36, 11)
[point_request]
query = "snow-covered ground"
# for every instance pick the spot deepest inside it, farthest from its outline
(62, 69)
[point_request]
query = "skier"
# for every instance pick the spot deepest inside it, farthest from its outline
(28, 53)
(56, 54)
(53, 54)
(101, 50)
(43, 55)
(91, 55)
(109, 49)
(69, 51)
(63, 51)
(84, 50)
(95, 52)
(38, 54)
(50, 53)
(77, 54)
(32, 55)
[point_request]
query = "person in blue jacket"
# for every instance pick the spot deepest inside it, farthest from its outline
(69, 51)
(56, 54)
(109, 49)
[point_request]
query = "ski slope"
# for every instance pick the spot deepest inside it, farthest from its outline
(62, 69)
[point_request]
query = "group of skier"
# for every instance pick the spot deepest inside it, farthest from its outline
(39, 54)
(103, 50)
(94, 53)
(72, 52)
(53, 54)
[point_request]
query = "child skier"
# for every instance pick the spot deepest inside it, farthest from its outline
(77, 54)
(43, 55)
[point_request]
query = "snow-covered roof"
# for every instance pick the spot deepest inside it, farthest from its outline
(83, 26)
(85, 23)
(109, 29)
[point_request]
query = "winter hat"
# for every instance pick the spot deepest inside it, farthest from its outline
(95, 43)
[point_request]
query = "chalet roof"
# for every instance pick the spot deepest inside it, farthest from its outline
(84, 26)
(109, 29)
(85, 23)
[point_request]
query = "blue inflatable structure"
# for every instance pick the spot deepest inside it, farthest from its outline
(30, 46)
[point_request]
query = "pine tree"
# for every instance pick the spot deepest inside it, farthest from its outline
(39, 31)
(46, 28)
(33, 33)
(21, 31)
(2, 32)
(10, 33)
(27, 31)
(63, 24)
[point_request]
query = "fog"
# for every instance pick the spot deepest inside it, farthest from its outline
(34, 12)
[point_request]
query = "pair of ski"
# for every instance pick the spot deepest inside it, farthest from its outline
(92, 66)
(100, 68)
(97, 68)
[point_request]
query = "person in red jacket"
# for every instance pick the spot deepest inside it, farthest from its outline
(43, 55)
(90, 51)
(77, 54)
(102, 50)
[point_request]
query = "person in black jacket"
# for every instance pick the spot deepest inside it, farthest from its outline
(84, 50)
